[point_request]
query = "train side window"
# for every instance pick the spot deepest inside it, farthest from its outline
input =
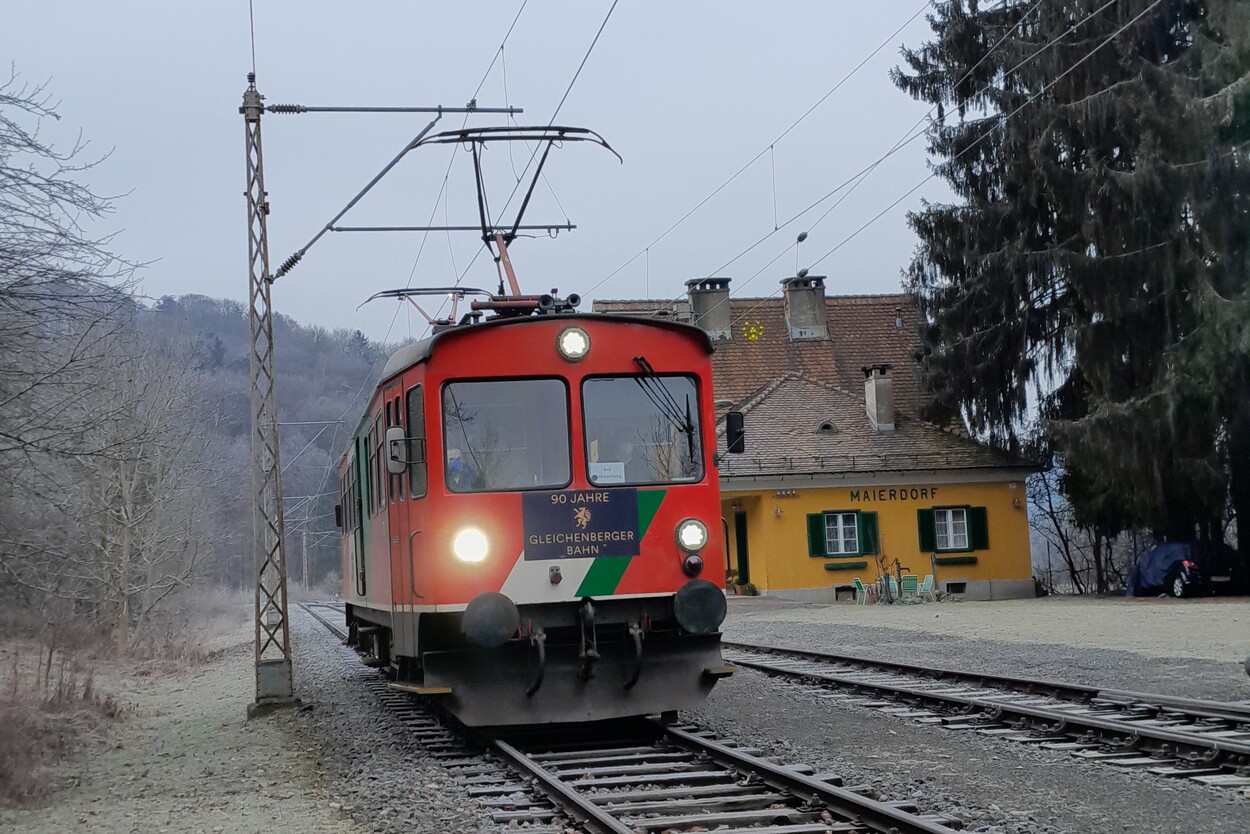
(417, 477)
(390, 479)
(396, 481)
(375, 443)
(371, 499)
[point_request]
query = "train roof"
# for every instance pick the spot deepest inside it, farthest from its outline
(414, 352)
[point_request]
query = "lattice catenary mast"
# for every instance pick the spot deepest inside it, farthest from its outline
(274, 685)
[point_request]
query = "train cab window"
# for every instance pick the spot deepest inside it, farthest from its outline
(642, 429)
(506, 434)
(416, 442)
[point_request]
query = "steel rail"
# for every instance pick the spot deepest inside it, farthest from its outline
(877, 816)
(1223, 711)
(331, 627)
(1188, 746)
(566, 797)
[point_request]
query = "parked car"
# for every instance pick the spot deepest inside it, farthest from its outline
(1185, 569)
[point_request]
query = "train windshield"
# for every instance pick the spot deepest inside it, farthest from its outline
(642, 429)
(505, 435)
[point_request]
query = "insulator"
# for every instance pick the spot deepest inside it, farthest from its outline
(287, 108)
(289, 264)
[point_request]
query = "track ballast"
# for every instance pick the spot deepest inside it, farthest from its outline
(1206, 741)
(631, 777)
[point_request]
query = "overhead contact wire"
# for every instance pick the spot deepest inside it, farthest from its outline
(909, 136)
(763, 151)
(1001, 121)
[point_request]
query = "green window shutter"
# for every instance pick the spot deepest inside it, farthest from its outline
(978, 528)
(867, 532)
(928, 530)
(816, 534)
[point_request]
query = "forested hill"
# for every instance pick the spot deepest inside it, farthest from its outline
(322, 376)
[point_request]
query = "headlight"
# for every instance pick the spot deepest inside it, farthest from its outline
(574, 343)
(691, 535)
(469, 545)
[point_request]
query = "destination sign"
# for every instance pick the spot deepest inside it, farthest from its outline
(580, 523)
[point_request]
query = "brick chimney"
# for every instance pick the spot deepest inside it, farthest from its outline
(805, 307)
(709, 306)
(879, 397)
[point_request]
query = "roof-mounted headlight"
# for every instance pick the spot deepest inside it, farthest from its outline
(573, 343)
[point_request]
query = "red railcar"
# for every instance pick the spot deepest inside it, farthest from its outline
(531, 519)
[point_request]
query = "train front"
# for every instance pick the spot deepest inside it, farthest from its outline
(581, 558)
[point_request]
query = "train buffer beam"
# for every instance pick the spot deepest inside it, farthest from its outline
(416, 689)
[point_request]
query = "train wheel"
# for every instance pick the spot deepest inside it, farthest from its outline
(408, 671)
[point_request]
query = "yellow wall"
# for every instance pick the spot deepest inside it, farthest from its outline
(778, 548)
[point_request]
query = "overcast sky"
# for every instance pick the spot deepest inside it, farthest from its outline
(686, 92)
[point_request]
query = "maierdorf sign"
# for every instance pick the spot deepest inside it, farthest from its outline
(871, 494)
(580, 523)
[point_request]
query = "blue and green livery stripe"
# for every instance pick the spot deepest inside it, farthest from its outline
(605, 573)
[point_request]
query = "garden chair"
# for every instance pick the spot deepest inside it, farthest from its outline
(926, 589)
(894, 595)
(911, 587)
(861, 593)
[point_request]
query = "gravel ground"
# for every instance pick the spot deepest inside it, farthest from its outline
(994, 785)
(1175, 647)
(375, 771)
(189, 761)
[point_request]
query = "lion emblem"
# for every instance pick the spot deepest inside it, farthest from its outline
(582, 517)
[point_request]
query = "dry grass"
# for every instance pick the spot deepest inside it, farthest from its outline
(51, 704)
(50, 709)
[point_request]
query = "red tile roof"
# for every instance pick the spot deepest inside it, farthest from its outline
(863, 330)
(787, 388)
(799, 426)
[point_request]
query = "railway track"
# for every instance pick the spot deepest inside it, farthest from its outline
(1206, 741)
(638, 777)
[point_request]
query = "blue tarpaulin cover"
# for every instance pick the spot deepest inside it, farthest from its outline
(1153, 566)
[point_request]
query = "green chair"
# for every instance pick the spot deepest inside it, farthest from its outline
(861, 593)
(894, 595)
(926, 589)
(911, 587)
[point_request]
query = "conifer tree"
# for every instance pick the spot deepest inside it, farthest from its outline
(1095, 264)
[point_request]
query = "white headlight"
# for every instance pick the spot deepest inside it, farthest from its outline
(574, 343)
(469, 545)
(691, 535)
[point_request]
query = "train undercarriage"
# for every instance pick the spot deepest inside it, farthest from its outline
(547, 663)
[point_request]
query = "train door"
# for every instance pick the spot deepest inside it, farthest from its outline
(364, 490)
(410, 574)
(420, 575)
(395, 502)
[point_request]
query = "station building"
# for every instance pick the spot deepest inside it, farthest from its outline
(841, 479)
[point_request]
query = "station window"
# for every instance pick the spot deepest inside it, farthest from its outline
(959, 529)
(951, 527)
(841, 533)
